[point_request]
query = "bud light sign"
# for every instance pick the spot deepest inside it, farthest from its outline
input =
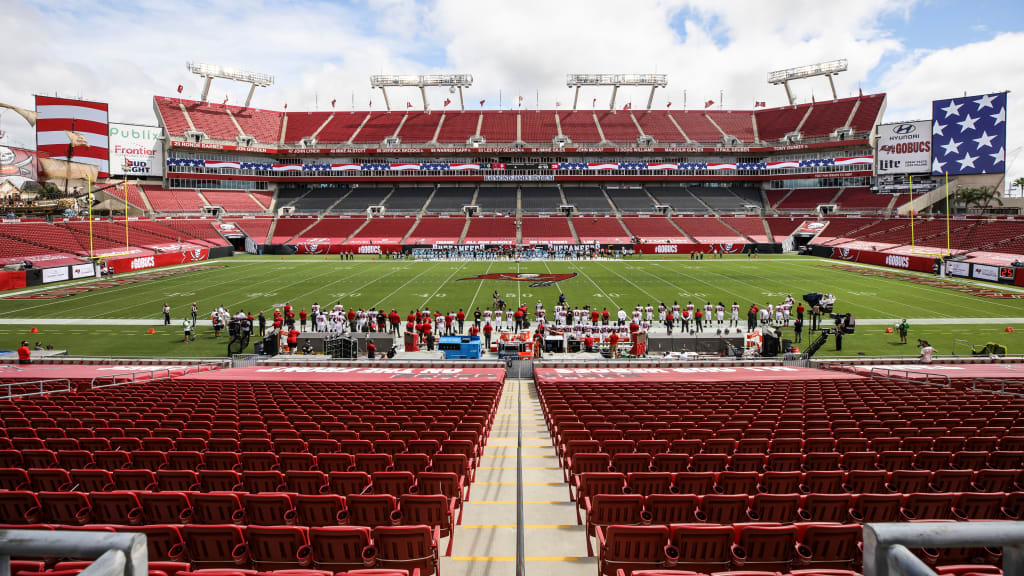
(136, 150)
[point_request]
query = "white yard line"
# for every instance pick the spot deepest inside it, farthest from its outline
(479, 286)
(410, 281)
(441, 285)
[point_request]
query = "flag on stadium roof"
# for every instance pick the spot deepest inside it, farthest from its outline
(969, 135)
(59, 116)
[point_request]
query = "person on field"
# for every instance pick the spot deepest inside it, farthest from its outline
(798, 330)
(24, 354)
(187, 327)
(195, 313)
(926, 352)
(167, 314)
(302, 319)
(903, 328)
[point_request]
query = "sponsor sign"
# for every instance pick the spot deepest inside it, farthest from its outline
(985, 272)
(314, 246)
(17, 165)
(904, 148)
(917, 263)
(83, 271)
(962, 269)
(136, 150)
(55, 274)
(688, 248)
(535, 280)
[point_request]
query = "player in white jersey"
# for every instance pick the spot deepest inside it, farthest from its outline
(708, 309)
(689, 306)
(675, 309)
(765, 315)
(785, 313)
(649, 313)
(720, 313)
(439, 325)
(778, 315)
(662, 311)
(637, 315)
(734, 319)
(488, 315)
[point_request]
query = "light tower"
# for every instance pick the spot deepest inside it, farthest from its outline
(210, 71)
(827, 69)
(576, 81)
(421, 81)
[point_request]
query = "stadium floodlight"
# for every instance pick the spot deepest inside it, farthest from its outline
(576, 81)
(422, 81)
(827, 69)
(210, 71)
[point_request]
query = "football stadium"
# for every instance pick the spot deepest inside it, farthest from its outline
(635, 327)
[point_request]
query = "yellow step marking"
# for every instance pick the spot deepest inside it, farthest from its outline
(513, 558)
(513, 483)
(524, 502)
(528, 526)
(513, 456)
(513, 468)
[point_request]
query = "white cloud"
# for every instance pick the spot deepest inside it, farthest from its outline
(320, 51)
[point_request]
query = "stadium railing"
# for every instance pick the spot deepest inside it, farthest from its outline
(887, 545)
(117, 554)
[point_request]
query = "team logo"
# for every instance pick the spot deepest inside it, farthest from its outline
(314, 246)
(535, 280)
(193, 255)
(905, 129)
(842, 254)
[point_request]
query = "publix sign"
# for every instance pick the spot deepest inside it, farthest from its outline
(136, 150)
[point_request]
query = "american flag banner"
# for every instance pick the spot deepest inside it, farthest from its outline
(345, 167)
(969, 135)
(57, 116)
(287, 167)
(219, 164)
(721, 166)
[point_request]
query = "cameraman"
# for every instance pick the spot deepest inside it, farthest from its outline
(926, 352)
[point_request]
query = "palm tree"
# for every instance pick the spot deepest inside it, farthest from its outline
(1018, 184)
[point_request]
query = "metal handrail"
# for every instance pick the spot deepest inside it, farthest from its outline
(1002, 388)
(520, 516)
(889, 374)
(134, 376)
(887, 545)
(116, 553)
(42, 390)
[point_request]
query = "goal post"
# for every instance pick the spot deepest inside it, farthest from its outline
(929, 250)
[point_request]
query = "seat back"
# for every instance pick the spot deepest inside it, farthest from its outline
(215, 546)
(370, 510)
(275, 547)
(338, 547)
(406, 547)
(268, 509)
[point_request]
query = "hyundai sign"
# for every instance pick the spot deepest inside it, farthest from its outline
(136, 150)
(904, 148)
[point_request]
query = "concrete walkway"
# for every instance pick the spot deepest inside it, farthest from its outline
(485, 544)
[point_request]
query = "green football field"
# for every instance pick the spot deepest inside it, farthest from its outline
(95, 321)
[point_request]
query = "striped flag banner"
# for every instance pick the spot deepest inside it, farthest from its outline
(58, 116)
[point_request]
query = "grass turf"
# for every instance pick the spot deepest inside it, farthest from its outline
(261, 283)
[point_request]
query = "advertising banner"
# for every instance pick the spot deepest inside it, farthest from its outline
(136, 150)
(688, 248)
(133, 263)
(55, 274)
(83, 271)
(904, 148)
(961, 269)
(17, 165)
(918, 263)
(986, 272)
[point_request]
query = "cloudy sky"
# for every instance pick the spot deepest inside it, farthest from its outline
(124, 53)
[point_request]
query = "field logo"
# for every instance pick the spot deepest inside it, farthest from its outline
(535, 280)
(842, 254)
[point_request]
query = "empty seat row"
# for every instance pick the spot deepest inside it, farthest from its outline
(239, 461)
(692, 442)
(344, 481)
(822, 481)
